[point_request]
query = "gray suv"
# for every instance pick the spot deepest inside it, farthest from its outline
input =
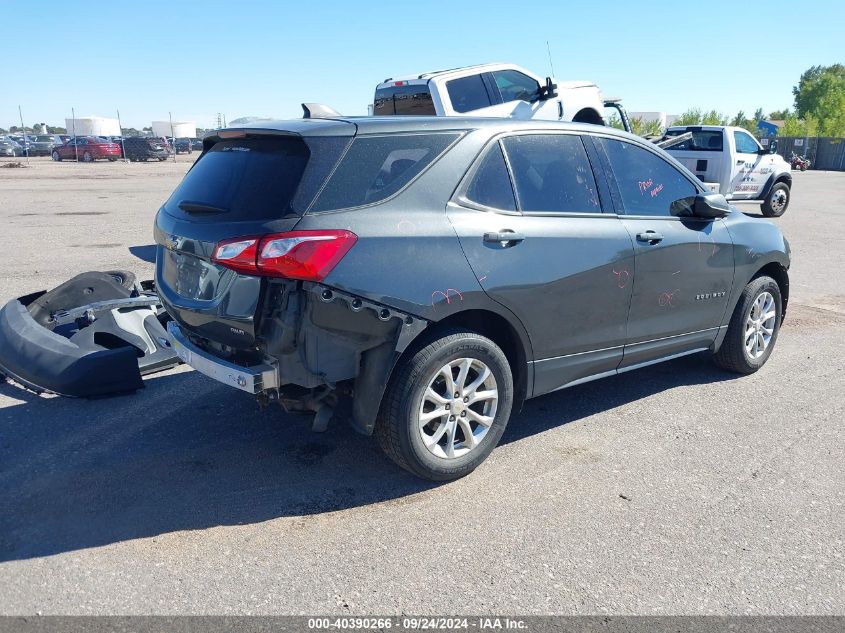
(421, 277)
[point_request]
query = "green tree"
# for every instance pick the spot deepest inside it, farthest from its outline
(778, 115)
(820, 93)
(614, 120)
(641, 127)
(692, 116)
(714, 118)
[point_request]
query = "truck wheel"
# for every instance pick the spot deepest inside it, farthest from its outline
(777, 201)
(753, 329)
(446, 406)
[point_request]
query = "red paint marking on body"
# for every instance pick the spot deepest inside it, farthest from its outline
(621, 277)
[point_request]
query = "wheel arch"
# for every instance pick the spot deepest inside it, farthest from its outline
(779, 273)
(588, 115)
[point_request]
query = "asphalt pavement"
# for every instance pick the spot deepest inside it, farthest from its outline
(675, 489)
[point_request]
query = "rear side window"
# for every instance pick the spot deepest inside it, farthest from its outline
(552, 173)
(648, 184)
(468, 93)
(255, 178)
(408, 99)
(701, 141)
(376, 167)
(491, 184)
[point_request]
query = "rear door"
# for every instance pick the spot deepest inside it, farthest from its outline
(684, 265)
(530, 220)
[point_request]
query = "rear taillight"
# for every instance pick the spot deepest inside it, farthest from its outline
(305, 255)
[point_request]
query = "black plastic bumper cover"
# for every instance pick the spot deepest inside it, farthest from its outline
(45, 361)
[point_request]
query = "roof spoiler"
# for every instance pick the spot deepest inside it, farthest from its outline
(318, 111)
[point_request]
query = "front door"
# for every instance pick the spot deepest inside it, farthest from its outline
(539, 244)
(748, 173)
(684, 266)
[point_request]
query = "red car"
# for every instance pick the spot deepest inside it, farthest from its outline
(87, 149)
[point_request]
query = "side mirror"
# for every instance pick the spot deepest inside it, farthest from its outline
(710, 205)
(549, 91)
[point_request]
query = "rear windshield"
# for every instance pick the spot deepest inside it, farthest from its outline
(413, 99)
(376, 167)
(701, 141)
(263, 178)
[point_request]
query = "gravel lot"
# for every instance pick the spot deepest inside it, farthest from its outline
(676, 489)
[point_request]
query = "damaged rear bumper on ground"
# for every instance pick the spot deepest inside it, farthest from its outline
(93, 335)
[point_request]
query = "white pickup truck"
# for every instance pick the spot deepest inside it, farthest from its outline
(493, 90)
(730, 161)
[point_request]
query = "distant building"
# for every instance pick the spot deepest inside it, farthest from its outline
(92, 126)
(769, 128)
(180, 129)
(665, 120)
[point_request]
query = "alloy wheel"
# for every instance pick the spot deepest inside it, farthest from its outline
(760, 325)
(458, 408)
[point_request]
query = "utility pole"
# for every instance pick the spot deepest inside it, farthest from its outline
(23, 129)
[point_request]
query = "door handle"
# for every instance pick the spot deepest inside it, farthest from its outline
(740, 162)
(651, 237)
(503, 236)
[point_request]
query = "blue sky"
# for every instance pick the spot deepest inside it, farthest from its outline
(263, 58)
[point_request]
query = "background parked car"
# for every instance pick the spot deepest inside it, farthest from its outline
(24, 141)
(142, 148)
(183, 146)
(8, 147)
(87, 149)
(11, 146)
(42, 145)
(196, 144)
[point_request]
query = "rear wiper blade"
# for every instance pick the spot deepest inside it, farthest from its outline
(189, 206)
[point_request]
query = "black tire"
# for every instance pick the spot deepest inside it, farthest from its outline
(87, 157)
(57, 157)
(397, 427)
(123, 277)
(112, 159)
(733, 355)
(770, 208)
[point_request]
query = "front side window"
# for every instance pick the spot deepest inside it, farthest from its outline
(516, 86)
(491, 184)
(744, 143)
(376, 167)
(552, 173)
(648, 184)
(468, 93)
